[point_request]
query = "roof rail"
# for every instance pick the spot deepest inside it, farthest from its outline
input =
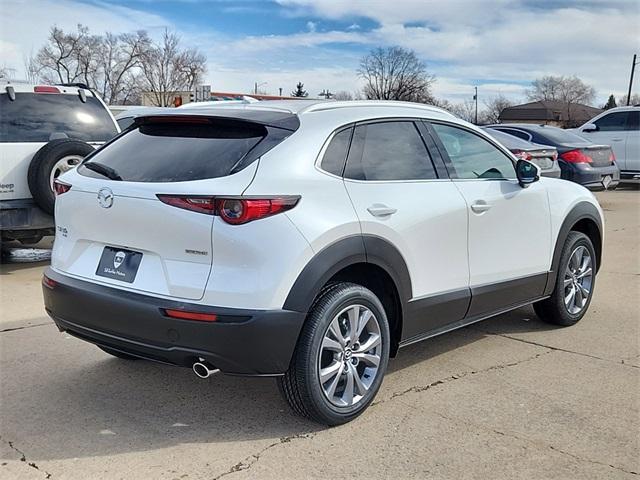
(317, 107)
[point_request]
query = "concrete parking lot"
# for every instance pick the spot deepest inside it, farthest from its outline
(509, 398)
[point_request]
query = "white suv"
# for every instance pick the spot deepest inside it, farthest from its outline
(45, 130)
(310, 241)
(620, 128)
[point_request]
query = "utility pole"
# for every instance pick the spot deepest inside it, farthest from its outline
(475, 97)
(633, 67)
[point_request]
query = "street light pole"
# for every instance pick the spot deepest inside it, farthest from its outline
(475, 97)
(633, 67)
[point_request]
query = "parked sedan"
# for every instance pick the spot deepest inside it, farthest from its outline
(581, 161)
(544, 156)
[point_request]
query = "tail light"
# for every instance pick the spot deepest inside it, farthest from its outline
(60, 187)
(554, 156)
(521, 154)
(576, 156)
(233, 210)
(45, 89)
(612, 157)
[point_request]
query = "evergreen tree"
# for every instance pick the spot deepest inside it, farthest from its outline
(611, 103)
(299, 91)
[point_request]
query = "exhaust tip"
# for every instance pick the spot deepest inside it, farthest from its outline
(203, 370)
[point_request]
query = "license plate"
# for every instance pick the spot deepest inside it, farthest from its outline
(606, 181)
(119, 264)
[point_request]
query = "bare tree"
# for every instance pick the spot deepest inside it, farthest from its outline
(31, 68)
(395, 73)
(493, 108)
(342, 95)
(635, 99)
(168, 69)
(568, 90)
(465, 110)
(119, 61)
(69, 57)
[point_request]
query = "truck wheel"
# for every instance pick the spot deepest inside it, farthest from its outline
(341, 356)
(51, 161)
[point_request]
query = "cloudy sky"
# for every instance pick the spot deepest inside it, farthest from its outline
(498, 45)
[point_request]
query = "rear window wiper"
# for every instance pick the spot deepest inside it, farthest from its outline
(103, 170)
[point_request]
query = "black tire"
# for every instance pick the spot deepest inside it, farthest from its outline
(42, 164)
(553, 309)
(301, 385)
(117, 353)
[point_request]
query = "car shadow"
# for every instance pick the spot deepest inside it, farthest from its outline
(82, 405)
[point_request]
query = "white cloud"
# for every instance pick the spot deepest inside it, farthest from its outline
(500, 45)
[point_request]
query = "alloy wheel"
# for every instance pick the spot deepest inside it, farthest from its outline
(63, 165)
(350, 355)
(578, 280)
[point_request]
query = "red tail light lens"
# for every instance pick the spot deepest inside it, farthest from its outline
(45, 89)
(195, 204)
(186, 315)
(521, 154)
(612, 157)
(576, 156)
(60, 187)
(233, 210)
(47, 282)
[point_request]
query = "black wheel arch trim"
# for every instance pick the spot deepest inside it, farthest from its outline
(341, 254)
(581, 211)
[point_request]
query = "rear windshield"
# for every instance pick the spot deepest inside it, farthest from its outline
(557, 135)
(41, 117)
(507, 140)
(175, 152)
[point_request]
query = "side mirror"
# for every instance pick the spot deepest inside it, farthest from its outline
(590, 127)
(527, 173)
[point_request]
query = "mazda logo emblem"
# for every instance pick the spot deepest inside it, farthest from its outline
(105, 197)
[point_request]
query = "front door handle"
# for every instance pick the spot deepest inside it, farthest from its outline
(379, 210)
(617, 139)
(480, 206)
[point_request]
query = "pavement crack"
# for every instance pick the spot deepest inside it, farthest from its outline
(26, 326)
(252, 459)
(23, 458)
(535, 443)
(557, 349)
(457, 376)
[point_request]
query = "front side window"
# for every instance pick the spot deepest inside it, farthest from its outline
(473, 157)
(388, 151)
(613, 122)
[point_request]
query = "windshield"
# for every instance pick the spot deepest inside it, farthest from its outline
(558, 135)
(39, 117)
(507, 140)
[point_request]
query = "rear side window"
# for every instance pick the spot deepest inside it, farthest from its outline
(388, 151)
(336, 153)
(175, 152)
(472, 156)
(40, 117)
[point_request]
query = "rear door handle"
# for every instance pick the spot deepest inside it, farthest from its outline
(616, 139)
(480, 206)
(379, 210)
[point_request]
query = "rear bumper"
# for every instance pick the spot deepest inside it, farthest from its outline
(630, 177)
(19, 215)
(590, 177)
(242, 342)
